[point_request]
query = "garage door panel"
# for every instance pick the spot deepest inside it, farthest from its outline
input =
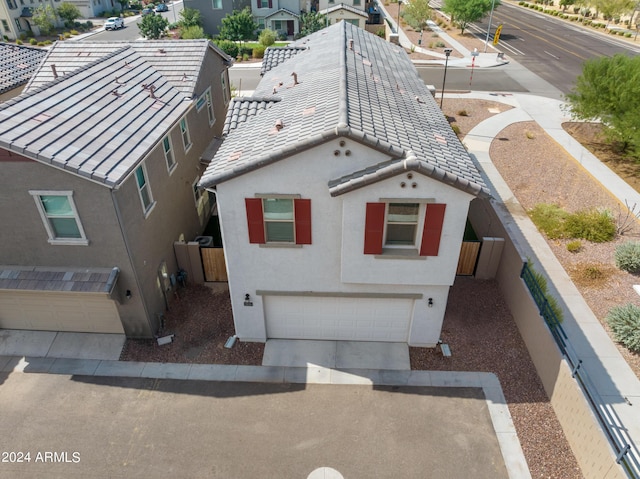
(338, 318)
(58, 311)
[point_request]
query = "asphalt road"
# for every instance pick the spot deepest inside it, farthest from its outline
(551, 48)
(150, 428)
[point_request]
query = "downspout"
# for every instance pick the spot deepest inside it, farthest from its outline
(128, 248)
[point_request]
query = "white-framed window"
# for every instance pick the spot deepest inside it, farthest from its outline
(260, 22)
(279, 25)
(216, 4)
(263, 3)
(356, 2)
(184, 131)
(60, 217)
(401, 228)
(278, 220)
(210, 113)
(142, 181)
(167, 147)
(353, 21)
(19, 25)
(5, 25)
(224, 83)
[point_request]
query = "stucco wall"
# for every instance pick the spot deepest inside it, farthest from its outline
(586, 438)
(322, 265)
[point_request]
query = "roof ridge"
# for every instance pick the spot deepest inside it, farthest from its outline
(343, 118)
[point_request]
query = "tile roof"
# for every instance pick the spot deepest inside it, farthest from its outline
(17, 65)
(284, 10)
(178, 61)
(97, 121)
(344, 6)
(242, 108)
(274, 56)
(40, 278)
(350, 83)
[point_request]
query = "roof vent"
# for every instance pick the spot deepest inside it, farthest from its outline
(53, 69)
(351, 44)
(279, 125)
(151, 88)
(295, 78)
(162, 51)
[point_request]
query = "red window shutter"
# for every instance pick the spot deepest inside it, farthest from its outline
(254, 220)
(270, 3)
(432, 229)
(302, 212)
(374, 228)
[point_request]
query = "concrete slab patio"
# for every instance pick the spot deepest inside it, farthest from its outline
(336, 354)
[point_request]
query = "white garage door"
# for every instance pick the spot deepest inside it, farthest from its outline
(331, 318)
(57, 311)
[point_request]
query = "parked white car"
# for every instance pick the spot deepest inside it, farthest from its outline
(113, 23)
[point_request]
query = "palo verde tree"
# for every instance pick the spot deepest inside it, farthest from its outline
(465, 12)
(418, 12)
(153, 26)
(68, 12)
(609, 90)
(311, 22)
(238, 26)
(610, 9)
(44, 17)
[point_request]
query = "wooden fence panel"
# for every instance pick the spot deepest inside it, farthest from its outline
(215, 268)
(468, 258)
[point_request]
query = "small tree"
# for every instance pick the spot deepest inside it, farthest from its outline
(311, 22)
(153, 26)
(420, 12)
(267, 37)
(566, 3)
(193, 32)
(44, 17)
(465, 12)
(68, 12)
(238, 26)
(190, 17)
(608, 90)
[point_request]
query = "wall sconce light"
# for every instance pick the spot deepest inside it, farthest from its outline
(128, 294)
(430, 302)
(247, 300)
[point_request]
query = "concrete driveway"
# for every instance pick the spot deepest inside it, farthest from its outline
(157, 428)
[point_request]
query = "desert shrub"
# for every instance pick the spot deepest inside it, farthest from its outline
(549, 219)
(258, 51)
(33, 41)
(381, 32)
(591, 275)
(530, 135)
(229, 47)
(74, 32)
(574, 246)
(41, 44)
(627, 257)
(544, 287)
(463, 113)
(591, 225)
(18, 42)
(440, 45)
(267, 37)
(625, 324)
(455, 128)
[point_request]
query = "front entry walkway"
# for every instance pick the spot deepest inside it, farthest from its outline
(336, 354)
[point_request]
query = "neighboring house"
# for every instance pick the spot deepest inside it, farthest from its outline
(345, 12)
(17, 65)
(213, 11)
(100, 159)
(343, 194)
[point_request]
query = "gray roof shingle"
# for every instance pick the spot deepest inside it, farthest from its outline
(274, 56)
(41, 278)
(349, 83)
(95, 120)
(17, 65)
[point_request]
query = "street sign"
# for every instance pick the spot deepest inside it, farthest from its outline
(496, 36)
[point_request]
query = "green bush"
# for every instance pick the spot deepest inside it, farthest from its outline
(258, 52)
(592, 225)
(549, 219)
(33, 41)
(192, 32)
(574, 246)
(18, 42)
(267, 37)
(628, 257)
(625, 324)
(229, 47)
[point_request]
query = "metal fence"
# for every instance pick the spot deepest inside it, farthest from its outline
(608, 419)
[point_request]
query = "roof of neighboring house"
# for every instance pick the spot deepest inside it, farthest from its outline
(242, 108)
(98, 121)
(35, 278)
(344, 6)
(284, 10)
(275, 56)
(177, 61)
(350, 83)
(17, 65)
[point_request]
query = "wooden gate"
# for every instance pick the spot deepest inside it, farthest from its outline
(213, 263)
(468, 258)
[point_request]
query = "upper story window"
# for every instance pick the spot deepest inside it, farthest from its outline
(403, 227)
(186, 138)
(144, 189)
(60, 217)
(168, 153)
(265, 4)
(224, 84)
(205, 100)
(12, 4)
(281, 219)
(5, 25)
(216, 4)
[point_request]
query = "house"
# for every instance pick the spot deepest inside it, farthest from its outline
(100, 159)
(18, 64)
(343, 195)
(213, 11)
(353, 14)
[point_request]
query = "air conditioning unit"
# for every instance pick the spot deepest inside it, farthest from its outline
(205, 241)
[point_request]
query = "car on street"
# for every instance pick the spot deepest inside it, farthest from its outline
(147, 11)
(161, 7)
(114, 23)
